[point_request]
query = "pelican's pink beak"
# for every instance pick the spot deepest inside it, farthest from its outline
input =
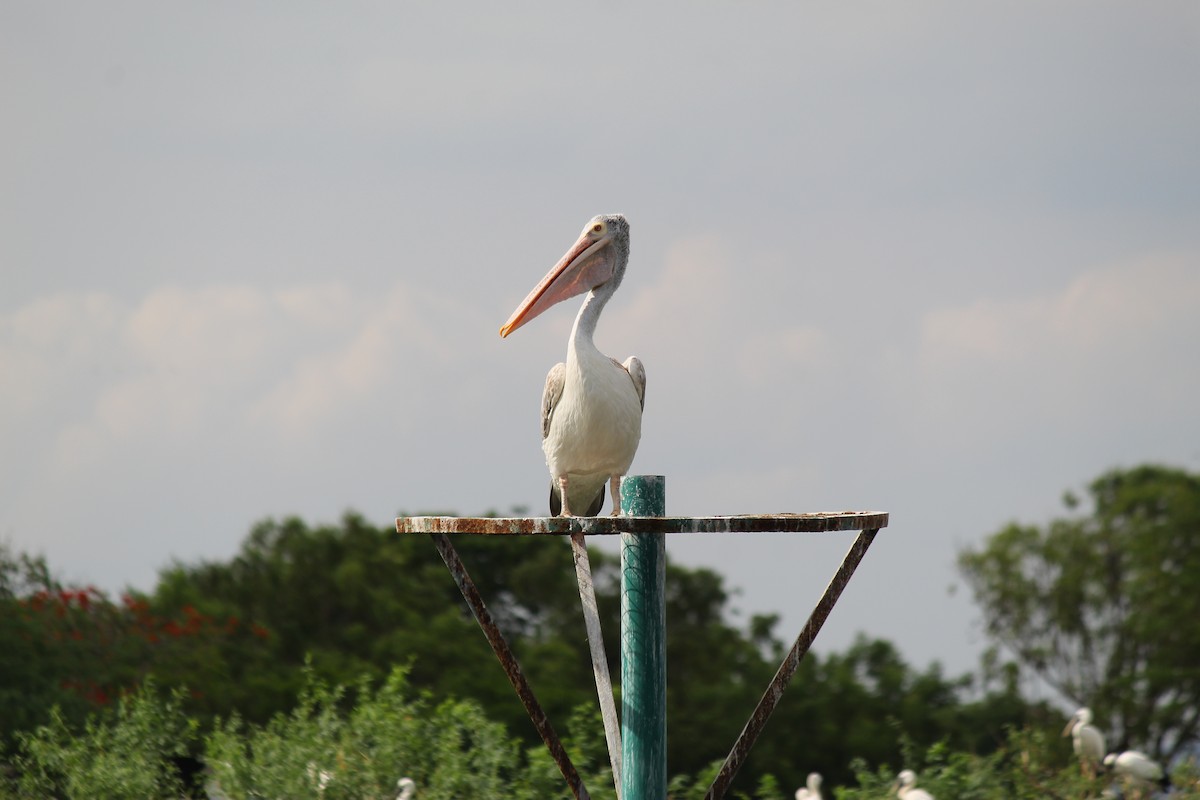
(584, 267)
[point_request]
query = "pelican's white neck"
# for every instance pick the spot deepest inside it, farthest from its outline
(589, 315)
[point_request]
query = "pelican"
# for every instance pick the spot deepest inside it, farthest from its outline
(592, 404)
(406, 788)
(1088, 741)
(906, 787)
(1135, 769)
(812, 789)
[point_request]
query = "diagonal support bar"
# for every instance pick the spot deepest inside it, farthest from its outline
(773, 694)
(591, 619)
(512, 669)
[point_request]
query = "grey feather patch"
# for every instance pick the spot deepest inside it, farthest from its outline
(551, 394)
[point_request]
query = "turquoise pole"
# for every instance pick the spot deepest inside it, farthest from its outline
(643, 644)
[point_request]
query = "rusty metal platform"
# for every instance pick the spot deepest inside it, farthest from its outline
(820, 522)
(638, 624)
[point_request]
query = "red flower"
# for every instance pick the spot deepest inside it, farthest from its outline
(260, 631)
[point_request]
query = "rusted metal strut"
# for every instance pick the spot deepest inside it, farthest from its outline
(783, 676)
(512, 669)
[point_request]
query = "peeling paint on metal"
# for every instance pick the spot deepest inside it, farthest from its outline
(823, 522)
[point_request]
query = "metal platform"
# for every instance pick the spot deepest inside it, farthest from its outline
(822, 522)
(637, 742)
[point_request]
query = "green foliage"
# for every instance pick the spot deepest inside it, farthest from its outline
(1029, 766)
(689, 787)
(353, 600)
(321, 749)
(1104, 606)
(854, 704)
(121, 753)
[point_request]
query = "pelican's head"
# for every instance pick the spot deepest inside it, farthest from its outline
(1082, 716)
(906, 779)
(597, 259)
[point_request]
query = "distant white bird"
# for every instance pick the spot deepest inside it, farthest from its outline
(320, 777)
(405, 787)
(1087, 740)
(812, 789)
(906, 787)
(1135, 769)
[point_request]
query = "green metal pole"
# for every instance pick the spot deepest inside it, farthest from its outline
(643, 644)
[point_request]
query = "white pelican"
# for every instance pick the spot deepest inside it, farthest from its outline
(906, 787)
(592, 405)
(1135, 769)
(1088, 741)
(407, 788)
(812, 789)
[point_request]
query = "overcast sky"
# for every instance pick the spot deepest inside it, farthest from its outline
(935, 259)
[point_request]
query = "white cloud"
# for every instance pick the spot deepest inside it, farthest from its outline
(180, 363)
(52, 351)
(1112, 346)
(1101, 312)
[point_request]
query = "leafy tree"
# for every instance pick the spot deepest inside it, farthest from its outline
(74, 649)
(1103, 605)
(1030, 764)
(361, 599)
(864, 703)
(321, 749)
(342, 601)
(124, 752)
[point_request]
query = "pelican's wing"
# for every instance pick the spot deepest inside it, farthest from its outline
(550, 395)
(633, 365)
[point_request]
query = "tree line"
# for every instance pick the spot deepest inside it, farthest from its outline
(1096, 603)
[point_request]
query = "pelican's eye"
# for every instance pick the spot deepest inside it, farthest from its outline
(598, 228)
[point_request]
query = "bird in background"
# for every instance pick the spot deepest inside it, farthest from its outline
(1087, 740)
(1137, 772)
(592, 404)
(321, 778)
(811, 790)
(906, 787)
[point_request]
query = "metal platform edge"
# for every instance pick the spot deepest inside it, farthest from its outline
(819, 522)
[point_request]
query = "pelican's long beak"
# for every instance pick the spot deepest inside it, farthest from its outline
(1070, 725)
(585, 266)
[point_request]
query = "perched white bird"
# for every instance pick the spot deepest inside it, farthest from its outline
(906, 787)
(406, 789)
(592, 404)
(1087, 740)
(1135, 769)
(320, 777)
(812, 789)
